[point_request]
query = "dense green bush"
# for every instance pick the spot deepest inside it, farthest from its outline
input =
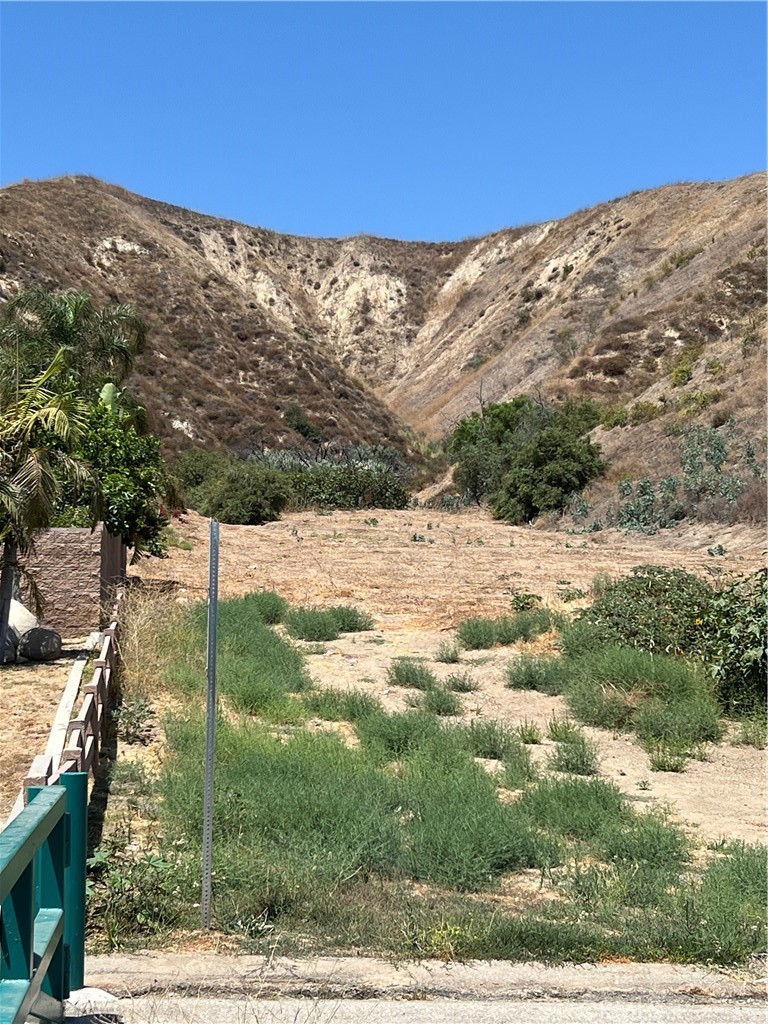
(545, 473)
(244, 493)
(734, 641)
(525, 456)
(297, 420)
(655, 609)
(325, 485)
(195, 466)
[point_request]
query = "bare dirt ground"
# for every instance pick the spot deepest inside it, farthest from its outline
(420, 572)
(29, 696)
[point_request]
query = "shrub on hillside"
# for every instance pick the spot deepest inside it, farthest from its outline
(196, 465)
(489, 446)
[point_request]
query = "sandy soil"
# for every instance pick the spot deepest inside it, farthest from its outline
(29, 696)
(420, 572)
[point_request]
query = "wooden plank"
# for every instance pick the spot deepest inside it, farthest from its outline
(73, 752)
(90, 753)
(103, 657)
(95, 682)
(60, 728)
(39, 772)
(84, 721)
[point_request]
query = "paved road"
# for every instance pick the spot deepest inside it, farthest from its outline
(196, 1010)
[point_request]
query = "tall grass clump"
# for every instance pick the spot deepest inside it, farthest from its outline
(575, 807)
(440, 701)
(526, 625)
(308, 812)
(270, 606)
(461, 682)
(150, 620)
(410, 672)
(547, 675)
(578, 756)
(529, 732)
(388, 736)
(649, 838)
(459, 834)
(312, 624)
(349, 619)
(448, 653)
(482, 633)
(719, 918)
(661, 697)
(257, 669)
(493, 741)
(751, 732)
(476, 634)
(340, 705)
(489, 739)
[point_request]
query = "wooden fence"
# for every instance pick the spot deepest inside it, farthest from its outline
(74, 739)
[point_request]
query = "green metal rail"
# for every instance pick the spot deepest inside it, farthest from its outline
(42, 901)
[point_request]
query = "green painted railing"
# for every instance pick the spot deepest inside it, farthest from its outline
(42, 901)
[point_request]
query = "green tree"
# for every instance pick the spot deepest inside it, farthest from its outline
(129, 478)
(545, 473)
(38, 432)
(488, 446)
(93, 345)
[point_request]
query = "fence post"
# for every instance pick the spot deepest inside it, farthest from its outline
(49, 894)
(210, 729)
(76, 785)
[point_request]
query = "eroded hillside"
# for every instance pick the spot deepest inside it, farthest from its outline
(656, 299)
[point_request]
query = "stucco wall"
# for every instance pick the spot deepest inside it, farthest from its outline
(76, 571)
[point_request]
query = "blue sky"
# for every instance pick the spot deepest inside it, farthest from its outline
(415, 121)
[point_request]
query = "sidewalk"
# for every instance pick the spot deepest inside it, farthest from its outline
(252, 977)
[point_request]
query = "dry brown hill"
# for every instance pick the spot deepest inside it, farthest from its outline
(367, 334)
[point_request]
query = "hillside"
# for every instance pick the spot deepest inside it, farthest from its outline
(367, 334)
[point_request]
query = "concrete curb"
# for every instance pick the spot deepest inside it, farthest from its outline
(141, 974)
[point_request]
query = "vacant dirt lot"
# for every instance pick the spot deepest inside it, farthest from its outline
(29, 696)
(420, 572)
(424, 569)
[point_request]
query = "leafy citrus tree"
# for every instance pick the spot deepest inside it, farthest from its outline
(38, 432)
(129, 479)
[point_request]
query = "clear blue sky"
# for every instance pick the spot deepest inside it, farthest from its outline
(415, 121)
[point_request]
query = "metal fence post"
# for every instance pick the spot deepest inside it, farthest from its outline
(76, 785)
(49, 895)
(210, 727)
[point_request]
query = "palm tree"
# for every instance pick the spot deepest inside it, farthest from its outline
(37, 432)
(96, 345)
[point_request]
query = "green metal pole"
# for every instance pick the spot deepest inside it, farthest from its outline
(76, 785)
